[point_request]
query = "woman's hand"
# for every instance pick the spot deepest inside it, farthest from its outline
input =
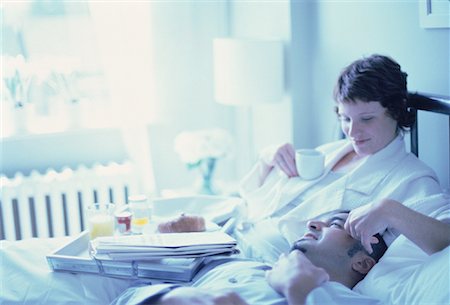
(430, 234)
(196, 296)
(284, 158)
(294, 276)
(364, 222)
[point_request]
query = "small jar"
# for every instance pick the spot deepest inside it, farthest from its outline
(140, 209)
(123, 222)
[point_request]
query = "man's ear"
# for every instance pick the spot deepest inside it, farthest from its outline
(362, 263)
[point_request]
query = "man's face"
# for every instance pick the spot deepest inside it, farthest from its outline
(326, 243)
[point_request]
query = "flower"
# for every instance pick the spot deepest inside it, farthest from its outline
(16, 78)
(63, 78)
(195, 146)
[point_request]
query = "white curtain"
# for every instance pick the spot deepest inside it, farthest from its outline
(124, 42)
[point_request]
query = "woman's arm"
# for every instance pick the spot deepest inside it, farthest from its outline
(282, 157)
(429, 234)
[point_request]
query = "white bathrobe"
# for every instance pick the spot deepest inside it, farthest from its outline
(390, 173)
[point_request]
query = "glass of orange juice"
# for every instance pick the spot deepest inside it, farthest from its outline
(100, 219)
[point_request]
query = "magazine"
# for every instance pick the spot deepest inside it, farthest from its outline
(158, 246)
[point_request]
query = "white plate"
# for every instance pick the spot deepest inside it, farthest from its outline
(216, 209)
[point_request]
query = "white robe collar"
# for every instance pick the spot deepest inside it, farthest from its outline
(368, 175)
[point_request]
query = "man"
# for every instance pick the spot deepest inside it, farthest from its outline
(425, 237)
(327, 251)
(328, 245)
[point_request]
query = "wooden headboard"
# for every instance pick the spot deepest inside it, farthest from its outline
(426, 102)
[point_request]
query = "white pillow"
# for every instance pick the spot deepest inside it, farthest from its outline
(407, 275)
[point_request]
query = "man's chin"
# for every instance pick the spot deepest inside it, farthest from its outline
(298, 246)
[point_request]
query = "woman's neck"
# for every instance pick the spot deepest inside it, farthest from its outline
(348, 162)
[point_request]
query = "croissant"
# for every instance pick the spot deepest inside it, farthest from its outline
(183, 223)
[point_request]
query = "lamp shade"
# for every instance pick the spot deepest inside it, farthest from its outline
(248, 72)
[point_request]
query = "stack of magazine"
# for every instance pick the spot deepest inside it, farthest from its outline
(159, 246)
(168, 257)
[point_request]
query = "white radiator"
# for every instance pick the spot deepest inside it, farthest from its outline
(52, 204)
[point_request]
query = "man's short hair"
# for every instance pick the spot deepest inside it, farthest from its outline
(378, 249)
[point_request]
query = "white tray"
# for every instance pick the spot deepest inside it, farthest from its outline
(74, 257)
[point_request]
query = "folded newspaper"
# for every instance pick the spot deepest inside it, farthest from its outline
(156, 246)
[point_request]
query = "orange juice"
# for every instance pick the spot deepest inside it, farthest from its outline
(101, 225)
(140, 221)
(100, 219)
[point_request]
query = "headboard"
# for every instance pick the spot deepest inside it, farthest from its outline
(435, 143)
(426, 102)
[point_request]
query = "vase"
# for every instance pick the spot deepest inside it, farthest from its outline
(21, 117)
(74, 112)
(207, 167)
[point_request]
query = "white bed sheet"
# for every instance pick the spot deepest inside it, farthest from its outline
(26, 278)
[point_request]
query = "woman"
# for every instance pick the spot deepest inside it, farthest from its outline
(370, 164)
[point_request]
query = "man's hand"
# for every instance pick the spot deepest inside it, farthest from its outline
(196, 296)
(294, 276)
(364, 222)
(284, 158)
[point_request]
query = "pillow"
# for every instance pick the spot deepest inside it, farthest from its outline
(291, 228)
(430, 283)
(407, 275)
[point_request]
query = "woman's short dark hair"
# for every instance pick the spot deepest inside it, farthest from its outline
(377, 78)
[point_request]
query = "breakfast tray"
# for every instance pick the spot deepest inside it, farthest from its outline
(74, 257)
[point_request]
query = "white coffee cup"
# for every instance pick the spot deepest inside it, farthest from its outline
(310, 163)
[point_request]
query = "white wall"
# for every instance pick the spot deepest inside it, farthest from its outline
(182, 35)
(328, 35)
(271, 123)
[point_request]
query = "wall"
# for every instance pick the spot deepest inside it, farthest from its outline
(270, 124)
(185, 82)
(182, 35)
(328, 35)
(40, 152)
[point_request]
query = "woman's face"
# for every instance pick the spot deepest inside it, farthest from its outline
(367, 125)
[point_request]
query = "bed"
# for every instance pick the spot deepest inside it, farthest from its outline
(25, 277)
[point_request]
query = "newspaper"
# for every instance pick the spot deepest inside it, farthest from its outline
(157, 246)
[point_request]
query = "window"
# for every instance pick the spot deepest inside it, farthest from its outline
(52, 74)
